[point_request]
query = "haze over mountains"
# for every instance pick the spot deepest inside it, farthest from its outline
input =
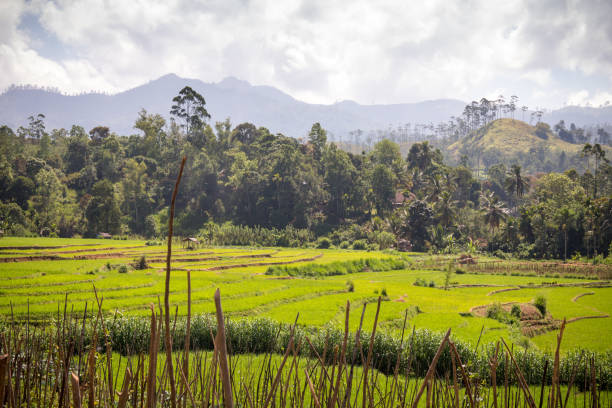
(241, 102)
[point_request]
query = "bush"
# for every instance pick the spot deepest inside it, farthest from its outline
(497, 312)
(360, 245)
(540, 304)
(131, 335)
(123, 269)
(323, 243)
(350, 286)
(516, 311)
(383, 292)
(339, 268)
(230, 234)
(141, 263)
(423, 282)
(345, 245)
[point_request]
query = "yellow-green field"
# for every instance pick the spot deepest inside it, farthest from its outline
(70, 267)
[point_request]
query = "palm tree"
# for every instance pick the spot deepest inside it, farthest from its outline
(446, 208)
(493, 210)
(516, 184)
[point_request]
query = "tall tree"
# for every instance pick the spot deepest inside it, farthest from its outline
(493, 210)
(189, 106)
(516, 184)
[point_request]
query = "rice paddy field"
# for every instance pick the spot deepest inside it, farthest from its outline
(41, 276)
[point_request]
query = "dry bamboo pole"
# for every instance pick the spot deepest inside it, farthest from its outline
(493, 365)
(168, 340)
(187, 332)
(369, 358)
(125, 391)
(431, 370)
(4, 378)
(466, 378)
(556, 387)
(312, 390)
(76, 392)
(222, 346)
(342, 361)
(543, 383)
(151, 376)
(522, 382)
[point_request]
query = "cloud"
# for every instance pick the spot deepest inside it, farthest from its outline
(319, 51)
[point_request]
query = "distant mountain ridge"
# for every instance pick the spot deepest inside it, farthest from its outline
(234, 98)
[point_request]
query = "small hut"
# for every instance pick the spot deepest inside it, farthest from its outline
(190, 243)
(104, 235)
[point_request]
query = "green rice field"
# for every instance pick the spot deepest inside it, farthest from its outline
(37, 275)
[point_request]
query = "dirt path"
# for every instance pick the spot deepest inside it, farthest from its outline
(223, 267)
(575, 298)
(575, 319)
(502, 290)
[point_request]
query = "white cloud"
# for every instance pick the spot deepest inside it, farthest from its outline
(320, 51)
(585, 98)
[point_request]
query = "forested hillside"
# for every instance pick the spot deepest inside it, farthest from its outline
(245, 185)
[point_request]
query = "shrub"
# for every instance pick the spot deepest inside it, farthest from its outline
(383, 292)
(423, 282)
(540, 304)
(360, 245)
(350, 286)
(516, 311)
(323, 243)
(338, 267)
(123, 269)
(345, 245)
(497, 312)
(141, 263)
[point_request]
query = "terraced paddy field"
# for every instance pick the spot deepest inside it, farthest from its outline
(38, 275)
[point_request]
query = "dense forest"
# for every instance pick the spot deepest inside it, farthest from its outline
(244, 185)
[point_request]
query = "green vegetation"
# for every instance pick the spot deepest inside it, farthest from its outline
(278, 283)
(339, 268)
(245, 186)
(508, 139)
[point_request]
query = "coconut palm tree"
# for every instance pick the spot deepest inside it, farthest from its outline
(516, 184)
(446, 208)
(493, 210)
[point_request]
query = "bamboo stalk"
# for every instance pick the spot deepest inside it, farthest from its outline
(431, 370)
(222, 346)
(168, 340)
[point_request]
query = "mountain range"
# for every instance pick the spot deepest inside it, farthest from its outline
(241, 102)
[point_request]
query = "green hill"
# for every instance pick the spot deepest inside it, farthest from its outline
(509, 137)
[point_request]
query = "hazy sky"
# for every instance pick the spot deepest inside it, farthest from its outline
(549, 53)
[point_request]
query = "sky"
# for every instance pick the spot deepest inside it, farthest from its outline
(549, 53)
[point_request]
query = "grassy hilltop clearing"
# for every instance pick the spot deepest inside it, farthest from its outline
(509, 137)
(38, 274)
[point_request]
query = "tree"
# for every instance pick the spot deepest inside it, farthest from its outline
(318, 139)
(516, 184)
(416, 218)
(340, 174)
(382, 182)
(78, 152)
(36, 127)
(446, 209)
(245, 133)
(189, 106)
(102, 213)
(493, 210)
